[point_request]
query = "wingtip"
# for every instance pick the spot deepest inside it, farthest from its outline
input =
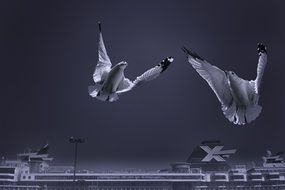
(99, 24)
(165, 63)
(170, 59)
(191, 53)
(185, 50)
(261, 48)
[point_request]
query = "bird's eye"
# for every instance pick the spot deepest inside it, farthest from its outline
(233, 73)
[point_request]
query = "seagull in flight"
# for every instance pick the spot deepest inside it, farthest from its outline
(111, 81)
(239, 97)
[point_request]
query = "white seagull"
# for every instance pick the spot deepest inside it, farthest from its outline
(239, 97)
(110, 81)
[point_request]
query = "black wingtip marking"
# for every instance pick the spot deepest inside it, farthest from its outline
(192, 53)
(185, 50)
(165, 63)
(261, 48)
(100, 28)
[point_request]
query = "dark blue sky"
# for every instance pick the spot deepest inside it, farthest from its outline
(49, 51)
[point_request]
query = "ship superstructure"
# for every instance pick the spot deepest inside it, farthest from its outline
(206, 168)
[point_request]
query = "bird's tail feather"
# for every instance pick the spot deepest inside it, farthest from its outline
(241, 116)
(252, 112)
(112, 97)
(94, 90)
(229, 112)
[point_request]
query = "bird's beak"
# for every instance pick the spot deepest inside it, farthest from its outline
(125, 63)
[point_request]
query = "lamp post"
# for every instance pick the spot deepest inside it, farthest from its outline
(75, 141)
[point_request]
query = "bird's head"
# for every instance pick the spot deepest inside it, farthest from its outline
(123, 64)
(231, 76)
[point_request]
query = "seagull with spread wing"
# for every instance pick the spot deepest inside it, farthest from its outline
(239, 97)
(110, 81)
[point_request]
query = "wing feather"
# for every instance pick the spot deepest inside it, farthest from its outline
(262, 61)
(147, 75)
(104, 64)
(215, 77)
(153, 72)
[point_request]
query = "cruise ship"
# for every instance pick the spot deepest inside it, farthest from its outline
(206, 168)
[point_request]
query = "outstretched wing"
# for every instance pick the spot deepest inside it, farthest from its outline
(104, 64)
(153, 72)
(146, 76)
(262, 61)
(214, 76)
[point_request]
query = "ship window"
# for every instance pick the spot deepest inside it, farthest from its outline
(29, 177)
(24, 177)
(218, 177)
(7, 170)
(6, 177)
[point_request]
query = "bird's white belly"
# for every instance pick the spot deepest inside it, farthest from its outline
(240, 94)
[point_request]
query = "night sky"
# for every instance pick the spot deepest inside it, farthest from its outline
(48, 52)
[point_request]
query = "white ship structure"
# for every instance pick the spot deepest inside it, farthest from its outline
(206, 168)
